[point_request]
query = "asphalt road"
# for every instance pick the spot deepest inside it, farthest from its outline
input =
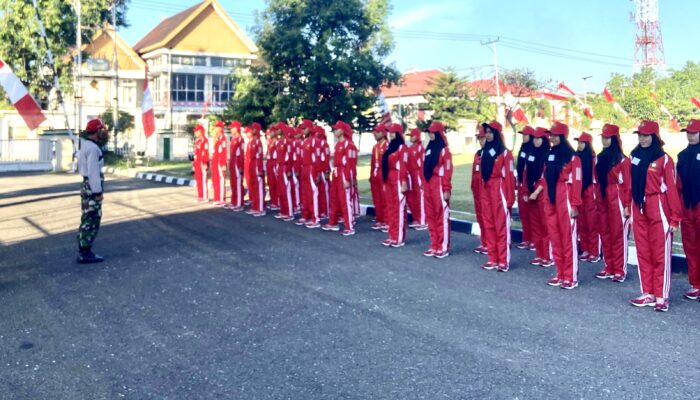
(195, 302)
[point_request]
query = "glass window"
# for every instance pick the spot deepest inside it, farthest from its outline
(217, 62)
(187, 88)
(222, 88)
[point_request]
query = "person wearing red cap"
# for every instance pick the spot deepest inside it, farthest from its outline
(534, 185)
(612, 173)
(324, 184)
(90, 163)
(656, 214)
(311, 169)
(437, 170)
(375, 177)
(254, 171)
(395, 177)
(284, 171)
(562, 187)
(341, 200)
(218, 165)
(523, 210)
(271, 169)
(689, 188)
(415, 197)
(497, 196)
(477, 184)
(201, 163)
(235, 166)
(588, 219)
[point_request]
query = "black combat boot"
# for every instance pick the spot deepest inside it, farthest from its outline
(86, 256)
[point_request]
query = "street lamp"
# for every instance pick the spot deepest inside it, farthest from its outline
(585, 78)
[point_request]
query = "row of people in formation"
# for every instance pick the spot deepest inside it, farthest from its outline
(566, 198)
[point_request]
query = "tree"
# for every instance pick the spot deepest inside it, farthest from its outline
(320, 59)
(22, 47)
(124, 122)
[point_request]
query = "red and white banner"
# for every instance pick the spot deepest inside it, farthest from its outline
(563, 93)
(384, 109)
(516, 111)
(20, 97)
(147, 117)
(695, 101)
(609, 97)
(673, 123)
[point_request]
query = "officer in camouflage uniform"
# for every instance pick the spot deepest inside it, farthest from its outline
(90, 165)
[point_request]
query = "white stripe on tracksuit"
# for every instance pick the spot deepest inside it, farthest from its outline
(625, 234)
(445, 220)
(667, 251)
(574, 241)
(504, 203)
(314, 190)
(402, 211)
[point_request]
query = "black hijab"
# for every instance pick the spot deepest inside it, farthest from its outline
(432, 155)
(689, 167)
(643, 157)
(527, 149)
(535, 163)
(489, 153)
(393, 146)
(557, 158)
(607, 159)
(586, 156)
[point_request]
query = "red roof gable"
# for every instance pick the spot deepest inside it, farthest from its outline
(413, 84)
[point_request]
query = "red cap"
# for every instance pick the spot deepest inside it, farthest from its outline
(256, 127)
(540, 132)
(528, 130)
(198, 128)
(559, 129)
(396, 128)
(585, 138)
(415, 132)
(219, 124)
(693, 126)
(495, 125)
(380, 128)
(436, 127)
(647, 127)
(234, 124)
(320, 131)
(307, 123)
(94, 125)
(347, 130)
(610, 130)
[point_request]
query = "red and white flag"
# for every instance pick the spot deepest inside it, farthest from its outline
(384, 109)
(147, 117)
(609, 97)
(673, 123)
(564, 93)
(20, 97)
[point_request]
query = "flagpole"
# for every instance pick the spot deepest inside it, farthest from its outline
(56, 84)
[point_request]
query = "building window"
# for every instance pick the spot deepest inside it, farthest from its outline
(224, 62)
(189, 60)
(187, 88)
(221, 88)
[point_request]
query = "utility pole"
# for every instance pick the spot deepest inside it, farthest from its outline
(585, 78)
(115, 112)
(495, 63)
(78, 75)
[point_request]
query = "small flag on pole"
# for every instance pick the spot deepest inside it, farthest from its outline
(147, 117)
(20, 97)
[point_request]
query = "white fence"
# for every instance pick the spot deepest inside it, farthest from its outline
(27, 155)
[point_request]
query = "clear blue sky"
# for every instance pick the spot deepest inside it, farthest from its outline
(602, 27)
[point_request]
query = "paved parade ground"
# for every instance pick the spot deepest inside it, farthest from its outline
(196, 302)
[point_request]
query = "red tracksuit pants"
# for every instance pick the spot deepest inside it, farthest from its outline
(272, 185)
(690, 227)
(236, 182)
(200, 176)
(341, 204)
(588, 222)
(396, 210)
(284, 192)
(309, 195)
(377, 188)
(653, 240)
(256, 192)
(538, 225)
(416, 199)
(218, 182)
(496, 221)
(614, 232)
(438, 215)
(563, 236)
(525, 218)
(478, 210)
(323, 196)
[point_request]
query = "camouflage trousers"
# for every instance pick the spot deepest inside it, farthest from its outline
(90, 218)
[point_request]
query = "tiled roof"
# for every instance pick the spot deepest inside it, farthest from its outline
(413, 84)
(162, 30)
